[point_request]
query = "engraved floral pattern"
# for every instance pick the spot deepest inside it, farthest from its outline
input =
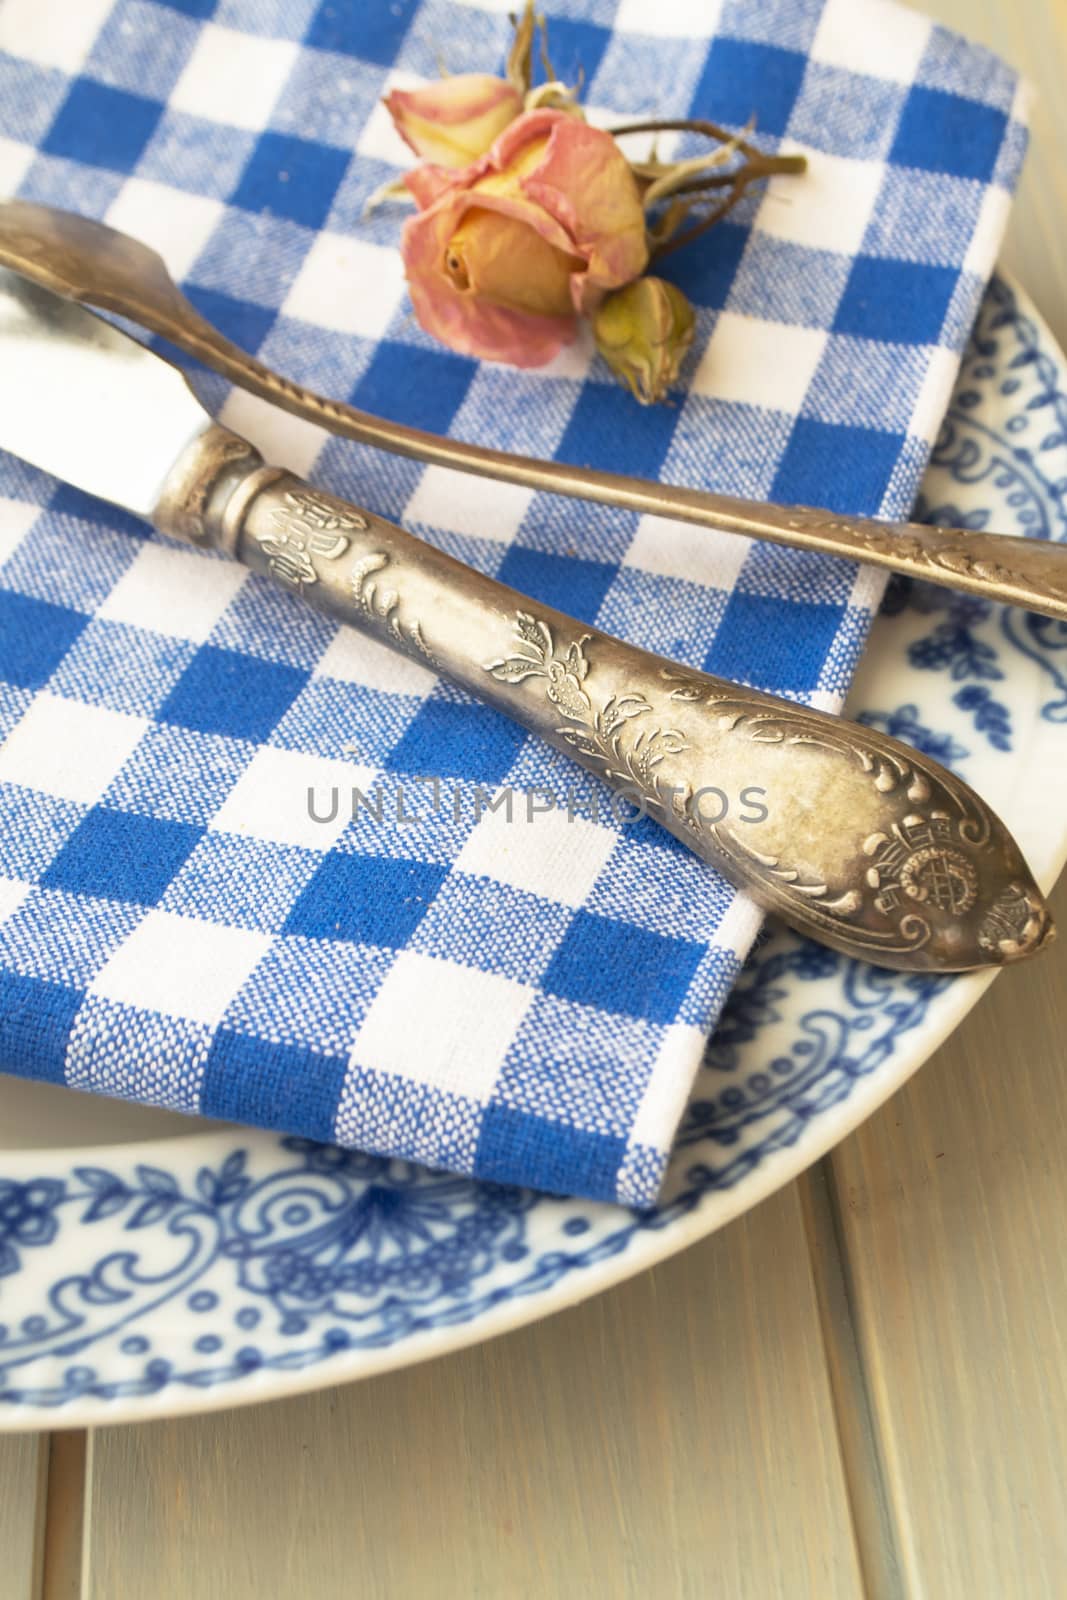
(888, 913)
(629, 759)
(382, 605)
(939, 879)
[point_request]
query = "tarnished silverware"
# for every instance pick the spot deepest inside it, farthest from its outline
(85, 260)
(847, 834)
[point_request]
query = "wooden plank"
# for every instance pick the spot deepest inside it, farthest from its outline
(1032, 35)
(23, 1459)
(951, 1204)
(672, 1438)
(948, 1204)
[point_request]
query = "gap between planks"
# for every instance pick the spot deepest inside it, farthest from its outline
(64, 1563)
(877, 1543)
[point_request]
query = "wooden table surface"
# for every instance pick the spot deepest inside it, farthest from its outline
(858, 1389)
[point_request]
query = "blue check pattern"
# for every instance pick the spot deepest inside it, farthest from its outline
(524, 1000)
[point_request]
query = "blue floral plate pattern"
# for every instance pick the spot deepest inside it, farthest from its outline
(151, 1266)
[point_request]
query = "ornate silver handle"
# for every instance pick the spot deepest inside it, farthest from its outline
(846, 834)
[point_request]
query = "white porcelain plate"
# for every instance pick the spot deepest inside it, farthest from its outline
(151, 1265)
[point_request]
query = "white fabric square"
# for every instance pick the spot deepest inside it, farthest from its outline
(379, 139)
(984, 248)
(175, 223)
(669, 19)
(680, 550)
(352, 658)
(348, 285)
(56, 34)
(176, 592)
(878, 37)
(829, 208)
(284, 440)
(15, 161)
(933, 398)
(866, 592)
(12, 893)
(822, 700)
(670, 1083)
(575, 360)
(234, 77)
(768, 364)
(270, 799)
(181, 966)
(438, 1023)
(17, 517)
(544, 852)
(460, 502)
(69, 749)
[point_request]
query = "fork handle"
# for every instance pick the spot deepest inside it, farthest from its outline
(848, 835)
(87, 261)
(1005, 569)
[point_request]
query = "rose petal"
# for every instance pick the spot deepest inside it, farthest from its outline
(585, 182)
(466, 324)
(454, 121)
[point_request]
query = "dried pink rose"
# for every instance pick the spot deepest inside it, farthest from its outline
(455, 121)
(504, 255)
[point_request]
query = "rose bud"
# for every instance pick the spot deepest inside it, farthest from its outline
(504, 256)
(644, 332)
(454, 121)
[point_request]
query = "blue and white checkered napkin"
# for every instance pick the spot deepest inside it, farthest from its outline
(523, 1001)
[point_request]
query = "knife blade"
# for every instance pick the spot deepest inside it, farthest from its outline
(857, 839)
(80, 396)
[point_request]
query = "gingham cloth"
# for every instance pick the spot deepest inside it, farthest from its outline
(523, 1001)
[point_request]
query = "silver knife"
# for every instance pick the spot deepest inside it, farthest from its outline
(848, 835)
